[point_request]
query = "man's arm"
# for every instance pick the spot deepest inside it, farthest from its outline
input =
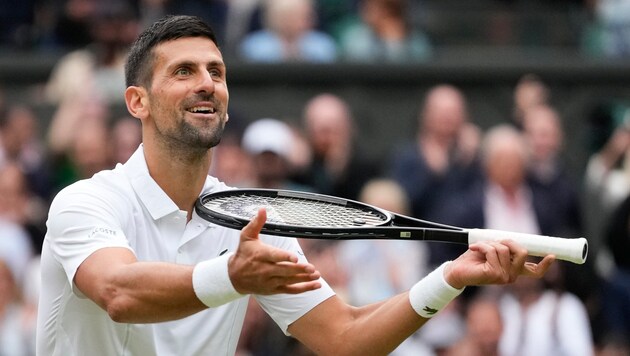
(142, 292)
(333, 327)
(137, 292)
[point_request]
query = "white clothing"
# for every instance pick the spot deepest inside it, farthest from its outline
(516, 215)
(556, 324)
(15, 249)
(125, 207)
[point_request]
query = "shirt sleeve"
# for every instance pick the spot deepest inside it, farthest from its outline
(82, 221)
(284, 309)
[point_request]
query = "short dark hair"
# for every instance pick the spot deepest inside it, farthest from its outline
(138, 69)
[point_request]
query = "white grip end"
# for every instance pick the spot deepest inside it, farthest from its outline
(572, 250)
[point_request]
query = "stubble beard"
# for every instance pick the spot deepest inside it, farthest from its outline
(201, 138)
(192, 142)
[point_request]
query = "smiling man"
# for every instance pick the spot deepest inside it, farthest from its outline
(128, 267)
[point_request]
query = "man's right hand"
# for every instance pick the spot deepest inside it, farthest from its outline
(257, 268)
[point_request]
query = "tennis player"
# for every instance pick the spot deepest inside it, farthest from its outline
(128, 268)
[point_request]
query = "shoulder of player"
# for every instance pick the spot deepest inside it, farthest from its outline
(106, 186)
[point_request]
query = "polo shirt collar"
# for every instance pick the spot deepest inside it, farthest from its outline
(147, 190)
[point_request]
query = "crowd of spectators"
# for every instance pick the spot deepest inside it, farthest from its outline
(324, 30)
(510, 176)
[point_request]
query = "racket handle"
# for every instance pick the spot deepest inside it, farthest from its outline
(572, 250)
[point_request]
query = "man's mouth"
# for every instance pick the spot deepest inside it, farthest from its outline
(202, 110)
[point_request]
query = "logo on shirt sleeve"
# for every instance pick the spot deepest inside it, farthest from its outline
(102, 231)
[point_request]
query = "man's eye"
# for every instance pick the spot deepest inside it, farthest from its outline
(182, 71)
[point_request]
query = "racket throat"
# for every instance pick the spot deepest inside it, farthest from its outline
(438, 235)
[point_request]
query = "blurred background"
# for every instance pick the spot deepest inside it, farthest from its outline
(510, 114)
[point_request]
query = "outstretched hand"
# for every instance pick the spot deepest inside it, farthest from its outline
(494, 263)
(257, 268)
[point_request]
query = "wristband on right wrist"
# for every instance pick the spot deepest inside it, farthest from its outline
(432, 293)
(211, 282)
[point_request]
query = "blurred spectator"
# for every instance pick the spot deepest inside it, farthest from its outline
(72, 27)
(384, 34)
(289, 34)
(16, 21)
(548, 175)
(529, 92)
(540, 321)
(547, 171)
(338, 166)
(242, 17)
(213, 12)
(379, 269)
(375, 268)
(77, 121)
(441, 162)
(126, 137)
(230, 162)
(20, 206)
(15, 256)
(270, 143)
(536, 318)
(96, 68)
(607, 184)
(504, 199)
(617, 293)
(20, 142)
(484, 327)
(335, 15)
(444, 153)
(608, 34)
(89, 152)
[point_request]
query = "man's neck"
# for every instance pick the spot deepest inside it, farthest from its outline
(180, 175)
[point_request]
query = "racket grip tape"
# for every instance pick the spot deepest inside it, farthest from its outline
(572, 250)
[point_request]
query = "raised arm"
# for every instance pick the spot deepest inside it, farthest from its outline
(334, 327)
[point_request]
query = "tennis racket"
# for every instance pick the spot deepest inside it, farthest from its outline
(310, 215)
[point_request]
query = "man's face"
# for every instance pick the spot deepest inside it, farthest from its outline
(188, 97)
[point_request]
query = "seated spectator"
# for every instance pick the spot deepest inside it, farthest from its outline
(440, 162)
(96, 69)
(606, 185)
(20, 144)
(529, 92)
(270, 143)
(541, 321)
(617, 293)
(383, 34)
(484, 327)
(338, 167)
(503, 199)
(607, 33)
(19, 206)
(374, 268)
(542, 128)
(15, 256)
(289, 34)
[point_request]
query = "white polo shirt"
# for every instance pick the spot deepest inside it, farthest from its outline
(125, 207)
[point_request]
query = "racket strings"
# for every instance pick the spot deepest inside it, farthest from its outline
(296, 211)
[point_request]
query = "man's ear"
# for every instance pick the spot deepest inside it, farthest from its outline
(137, 101)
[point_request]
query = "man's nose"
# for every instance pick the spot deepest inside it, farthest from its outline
(206, 83)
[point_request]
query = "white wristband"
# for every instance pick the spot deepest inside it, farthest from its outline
(432, 293)
(212, 283)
